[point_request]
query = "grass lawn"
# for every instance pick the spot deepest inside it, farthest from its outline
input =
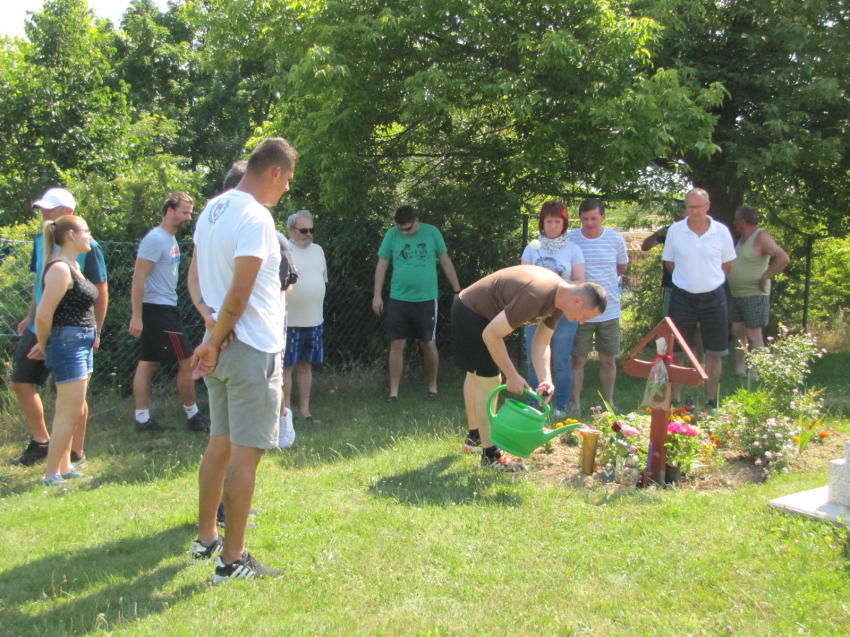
(385, 528)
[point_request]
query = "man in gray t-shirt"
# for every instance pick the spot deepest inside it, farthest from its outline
(155, 318)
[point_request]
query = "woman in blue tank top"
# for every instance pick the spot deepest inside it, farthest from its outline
(66, 329)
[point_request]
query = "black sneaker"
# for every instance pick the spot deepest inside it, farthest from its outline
(78, 459)
(201, 551)
(711, 404)
(246, 567)
(473, 441)
(501, 462)
(219, 517)
(151, 425)
(198, 423)
(33, 454)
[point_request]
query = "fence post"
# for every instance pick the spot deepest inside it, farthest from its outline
(809, 241)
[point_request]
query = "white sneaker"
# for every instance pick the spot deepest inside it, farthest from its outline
(287, 431)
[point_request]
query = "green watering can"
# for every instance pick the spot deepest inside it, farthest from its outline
(519, 428)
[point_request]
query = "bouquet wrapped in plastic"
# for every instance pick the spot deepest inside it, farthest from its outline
(655, 394)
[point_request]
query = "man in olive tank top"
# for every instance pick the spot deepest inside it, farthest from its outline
(749, 282)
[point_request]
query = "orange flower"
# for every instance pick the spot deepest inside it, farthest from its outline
(823, 434)
(796, 438)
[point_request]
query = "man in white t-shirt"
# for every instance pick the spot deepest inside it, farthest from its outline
(237, 262)
(156, 320)
(699, 253)
(305, 316)
(605, 261)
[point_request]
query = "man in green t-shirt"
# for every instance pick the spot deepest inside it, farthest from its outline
(414, 249)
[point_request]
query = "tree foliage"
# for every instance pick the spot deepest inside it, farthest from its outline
(57, 111)
(783, 131)
(470, 106)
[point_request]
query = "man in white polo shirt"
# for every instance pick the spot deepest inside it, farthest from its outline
(699, 252)
(237, 262)
(605, 261)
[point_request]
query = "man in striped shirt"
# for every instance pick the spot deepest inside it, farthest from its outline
(605, 261)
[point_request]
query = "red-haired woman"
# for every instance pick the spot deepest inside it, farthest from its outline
(553, 250)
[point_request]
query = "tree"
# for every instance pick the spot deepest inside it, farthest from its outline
(58, 113)
(462, 105)
(783, 131)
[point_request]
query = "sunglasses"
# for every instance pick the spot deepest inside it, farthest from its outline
(305, 230)
(408, 228)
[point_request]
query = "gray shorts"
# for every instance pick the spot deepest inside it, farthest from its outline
(752, 310)
(604, 337)
(245, 394)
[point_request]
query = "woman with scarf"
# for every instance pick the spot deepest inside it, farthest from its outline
(553, 250)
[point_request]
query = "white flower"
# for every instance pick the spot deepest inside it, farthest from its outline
(535, 244)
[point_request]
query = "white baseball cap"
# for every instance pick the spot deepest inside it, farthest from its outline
(54, 198)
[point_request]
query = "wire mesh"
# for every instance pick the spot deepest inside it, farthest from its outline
(354, 336)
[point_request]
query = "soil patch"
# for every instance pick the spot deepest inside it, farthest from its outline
(561, 466)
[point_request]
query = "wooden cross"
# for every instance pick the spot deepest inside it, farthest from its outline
(657, 461)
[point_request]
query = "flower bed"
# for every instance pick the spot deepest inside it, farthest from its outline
(769, 426)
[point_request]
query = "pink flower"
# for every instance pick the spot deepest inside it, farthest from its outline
(759, 462)
(628, 431)
(633, 449)
(768, 454)
(757, 443)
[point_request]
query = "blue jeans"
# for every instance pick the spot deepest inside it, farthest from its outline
(562, 366)
(69, 353)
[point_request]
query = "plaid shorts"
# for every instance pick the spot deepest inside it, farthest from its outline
(304, 344)
(752, 310)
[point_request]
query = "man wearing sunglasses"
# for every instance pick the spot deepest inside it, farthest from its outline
(305, 316)
(413, 248)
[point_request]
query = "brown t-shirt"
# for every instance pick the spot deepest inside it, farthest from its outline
(526, 293)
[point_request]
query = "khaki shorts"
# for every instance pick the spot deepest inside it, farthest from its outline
(245, 394)
(605, 336)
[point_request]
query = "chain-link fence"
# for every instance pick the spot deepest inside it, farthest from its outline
(355, 337)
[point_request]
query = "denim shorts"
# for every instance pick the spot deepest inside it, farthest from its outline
(69, 353)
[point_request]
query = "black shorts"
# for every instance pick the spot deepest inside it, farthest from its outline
(408, 319)
(27, 370)
(470, 350)
(710, 311)
(163, 338)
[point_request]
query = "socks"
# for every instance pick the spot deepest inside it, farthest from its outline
(143, 415)
(191, 410)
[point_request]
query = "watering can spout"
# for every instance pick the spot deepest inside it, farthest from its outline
(548, 435)
(519, 428)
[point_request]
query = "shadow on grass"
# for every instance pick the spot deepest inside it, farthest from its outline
(439, 484)
(365, 425)
(95, 588)
(136, 459)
